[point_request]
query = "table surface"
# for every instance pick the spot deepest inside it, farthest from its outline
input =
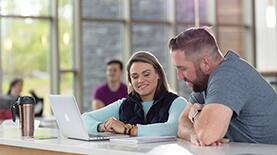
(11, 137)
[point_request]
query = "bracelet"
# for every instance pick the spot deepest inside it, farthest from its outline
(98, 127)
(128, 128)
(133, 130)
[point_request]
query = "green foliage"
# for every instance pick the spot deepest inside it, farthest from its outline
(27, 52)
(26, 47)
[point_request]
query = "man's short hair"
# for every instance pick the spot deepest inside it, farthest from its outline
(193, 40)
(115, 61)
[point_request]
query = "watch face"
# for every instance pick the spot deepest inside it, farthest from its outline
(128, 126)
(195, 113)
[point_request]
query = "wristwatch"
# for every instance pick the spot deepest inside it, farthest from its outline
(127, 128)
(194, 114)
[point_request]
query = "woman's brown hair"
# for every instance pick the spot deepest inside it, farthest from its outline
(147, 57)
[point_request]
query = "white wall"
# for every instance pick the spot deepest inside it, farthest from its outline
(266, 39)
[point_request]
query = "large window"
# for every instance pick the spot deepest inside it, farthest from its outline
(117, 28)
(25, 44)
(25, 53)
(62, 46)
(101, 42)
(151, 28)
(102, 35)
(234, 27)
(67, 71)
(37, 47)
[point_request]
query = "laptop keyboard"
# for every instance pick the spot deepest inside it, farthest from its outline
(94, 135)
(107, 135)
(103, 134)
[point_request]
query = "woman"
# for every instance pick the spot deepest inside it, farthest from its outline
(15, 88)
(150, 109)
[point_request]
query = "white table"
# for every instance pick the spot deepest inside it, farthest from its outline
(12, 143)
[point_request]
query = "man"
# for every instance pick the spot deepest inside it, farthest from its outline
(113, 89)
(230, 101)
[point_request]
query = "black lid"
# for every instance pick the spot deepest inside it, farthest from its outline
(26, 100)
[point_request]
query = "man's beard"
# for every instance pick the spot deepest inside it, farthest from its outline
(201, 82)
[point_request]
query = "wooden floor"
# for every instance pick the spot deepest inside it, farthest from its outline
(9, 150)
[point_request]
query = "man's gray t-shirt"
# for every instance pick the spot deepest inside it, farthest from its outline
(237, 85)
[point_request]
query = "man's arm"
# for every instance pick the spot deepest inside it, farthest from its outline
(185, 128)
(212, 123)
(97, 104)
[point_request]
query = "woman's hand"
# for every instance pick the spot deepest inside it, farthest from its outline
(114, 125)
(102, 128)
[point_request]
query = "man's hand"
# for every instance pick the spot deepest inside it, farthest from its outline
(220, 142)
(217, 143)
(114, 125)
(194, 140)
(209, 127)
(194, 110)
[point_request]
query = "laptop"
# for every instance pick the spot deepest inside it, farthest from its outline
(69, 120)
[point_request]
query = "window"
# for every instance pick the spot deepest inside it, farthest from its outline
(102, 35)
(148, 25)
(29, 46)
(66, 62)
(234, 29)
(101, 42)
(25, 44)
(53, 56)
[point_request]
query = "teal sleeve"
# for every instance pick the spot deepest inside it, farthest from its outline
(168, 128)
(93, 118)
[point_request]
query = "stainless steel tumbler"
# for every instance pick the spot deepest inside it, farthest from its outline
(25, 106)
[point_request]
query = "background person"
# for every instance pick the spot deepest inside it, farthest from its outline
(113, 89)
(14, 91)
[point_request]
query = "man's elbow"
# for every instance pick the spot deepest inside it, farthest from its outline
(179, 133)
(184, 132)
